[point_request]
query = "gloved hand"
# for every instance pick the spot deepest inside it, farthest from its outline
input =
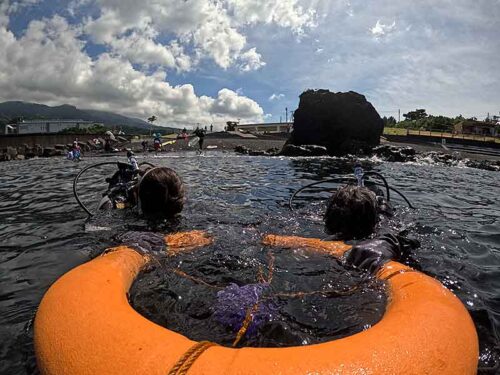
(144, 242)
(373, 254)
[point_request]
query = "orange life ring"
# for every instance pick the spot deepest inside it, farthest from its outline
(85, 325)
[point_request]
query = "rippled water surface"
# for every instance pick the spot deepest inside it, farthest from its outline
(43, 234)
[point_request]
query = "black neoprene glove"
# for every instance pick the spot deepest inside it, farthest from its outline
(144, 242)
(373, 254)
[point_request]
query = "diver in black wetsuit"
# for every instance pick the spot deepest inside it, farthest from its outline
(353, 213)
(157, 192)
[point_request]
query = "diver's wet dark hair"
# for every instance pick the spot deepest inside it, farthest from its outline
(161, 193)
(351, 213)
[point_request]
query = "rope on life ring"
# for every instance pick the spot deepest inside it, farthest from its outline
(184, 363)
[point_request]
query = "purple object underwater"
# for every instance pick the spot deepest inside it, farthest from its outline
(234, 301)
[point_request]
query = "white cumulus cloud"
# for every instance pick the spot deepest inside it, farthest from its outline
(275, 97)
(380, 30)
(142, 49)
(230, 103)
(62, 72)
(211, 28)
(251, 60)
(285, 13)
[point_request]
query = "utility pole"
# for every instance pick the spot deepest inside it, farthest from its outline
(399, 115)
(286, 114)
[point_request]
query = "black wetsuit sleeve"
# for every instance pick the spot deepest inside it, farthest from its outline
(144, 242)
(372, 254)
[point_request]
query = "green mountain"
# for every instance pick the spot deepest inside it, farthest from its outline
(33, 111)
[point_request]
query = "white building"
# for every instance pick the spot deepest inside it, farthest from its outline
(46, 126)
(276, 127)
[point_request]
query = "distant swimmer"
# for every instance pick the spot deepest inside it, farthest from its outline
(75, 153)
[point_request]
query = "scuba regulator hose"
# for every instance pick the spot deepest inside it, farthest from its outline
(352, 180)
(75, 181)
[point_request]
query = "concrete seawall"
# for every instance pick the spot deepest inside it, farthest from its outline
(43, 140)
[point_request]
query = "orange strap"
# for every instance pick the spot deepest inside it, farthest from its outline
(335, 248)
(186, 241)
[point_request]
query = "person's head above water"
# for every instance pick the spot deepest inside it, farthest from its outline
(352, 212)
(161, 193)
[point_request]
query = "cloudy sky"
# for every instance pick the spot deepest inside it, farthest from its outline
(209, 61)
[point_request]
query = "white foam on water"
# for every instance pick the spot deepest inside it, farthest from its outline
(95, 228)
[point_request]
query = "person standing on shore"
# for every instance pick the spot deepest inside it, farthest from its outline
(157, 143)
(200, 133)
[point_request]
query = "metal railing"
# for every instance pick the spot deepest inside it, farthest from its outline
(442, 134)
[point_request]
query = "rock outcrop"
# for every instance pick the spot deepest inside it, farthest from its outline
(243, 150)
(288, 150)
(395, 153)
(307, 150)
(407, 154)
(344, 123)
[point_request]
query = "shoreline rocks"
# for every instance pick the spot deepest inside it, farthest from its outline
(304, 150)
(395, 153)
(408, 154)
(29, 152)
(388, 153)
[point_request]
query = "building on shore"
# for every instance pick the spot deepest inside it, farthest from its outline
(270, 128)
(46, 126)
(491, 129)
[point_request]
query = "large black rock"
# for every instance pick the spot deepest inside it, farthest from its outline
(344, 122)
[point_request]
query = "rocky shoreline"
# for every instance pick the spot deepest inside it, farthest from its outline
(387, 152)
(275, 146)
(26, 152)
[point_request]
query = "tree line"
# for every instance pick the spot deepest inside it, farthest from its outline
(420, 120)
